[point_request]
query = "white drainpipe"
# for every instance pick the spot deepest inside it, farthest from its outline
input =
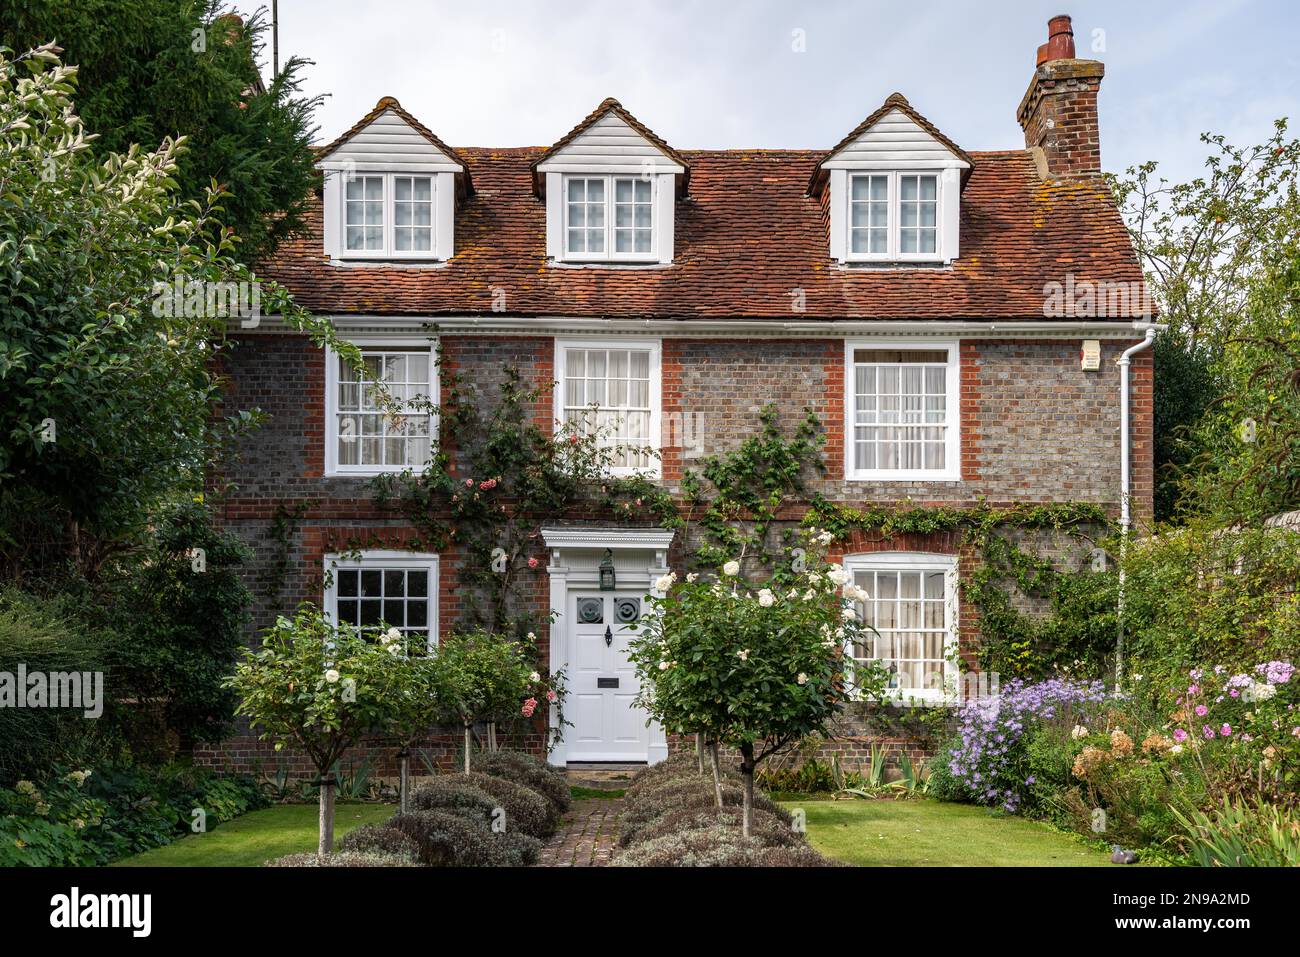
(1125, 512)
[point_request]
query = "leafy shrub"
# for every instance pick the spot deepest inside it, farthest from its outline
(45, 635)
(766, 827)
(670, 796)
(680, 765)
(455, 794)
(716, 846)
(525, 809)
(527, 769)
(78, 818)
(943, 785)
(381, 839)
(342, 859)
(1243, 835)
(450, 840)
(810, 777)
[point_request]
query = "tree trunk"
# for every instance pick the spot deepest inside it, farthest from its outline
(469, 744)
(747, 772)
(326, 843)
(403, 778)
(699, 751)
(716, 764)
(492, 736)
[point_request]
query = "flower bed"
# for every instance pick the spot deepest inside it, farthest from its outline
(1167, 770)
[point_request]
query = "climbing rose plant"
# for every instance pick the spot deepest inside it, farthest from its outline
(756, 668)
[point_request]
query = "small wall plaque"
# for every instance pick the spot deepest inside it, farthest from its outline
(606, 682)
(1090, 359)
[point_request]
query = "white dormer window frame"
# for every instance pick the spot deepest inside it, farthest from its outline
(861, 214)
(391, 208)
(579, 227)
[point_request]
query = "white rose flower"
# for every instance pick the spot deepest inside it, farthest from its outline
(732, 568)
(692, 577)
(394, 634)
(332, 676)
(534, 677)
(665, 582)
(663, 666)
(531, 636)
(838, 575)
(743, 654)
(766, 598)
(848, 614)
(802, 679)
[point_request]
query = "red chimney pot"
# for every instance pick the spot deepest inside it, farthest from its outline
(1060, 41)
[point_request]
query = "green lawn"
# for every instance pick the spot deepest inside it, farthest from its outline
(935, 834)
(257, 837)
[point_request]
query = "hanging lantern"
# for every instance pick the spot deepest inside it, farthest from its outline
(607, 571)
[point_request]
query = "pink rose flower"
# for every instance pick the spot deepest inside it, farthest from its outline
(532, 563)
(469, 483)
(551, 696)
(529, 707)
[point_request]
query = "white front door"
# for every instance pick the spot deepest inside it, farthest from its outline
(607, 725)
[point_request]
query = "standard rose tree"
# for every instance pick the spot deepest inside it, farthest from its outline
(755, 668)
(319, 689)
(481, 676)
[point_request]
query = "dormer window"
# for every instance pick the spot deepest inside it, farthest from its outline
(610, 188)
(608, 217)
(893, 190)
(391, 188)
(388, 215)
(893, 216)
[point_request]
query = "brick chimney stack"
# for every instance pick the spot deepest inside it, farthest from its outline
(1059, 110)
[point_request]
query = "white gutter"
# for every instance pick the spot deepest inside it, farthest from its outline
(353, 323)
(1125, 510)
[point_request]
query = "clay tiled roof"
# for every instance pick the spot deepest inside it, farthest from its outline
(746, 237)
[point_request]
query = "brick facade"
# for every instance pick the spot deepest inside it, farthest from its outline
(1034, 428)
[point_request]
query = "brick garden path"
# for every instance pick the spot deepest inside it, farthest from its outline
(587, 836)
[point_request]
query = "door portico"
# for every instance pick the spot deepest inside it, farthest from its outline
(589, 636)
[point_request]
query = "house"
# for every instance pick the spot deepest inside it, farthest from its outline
(953, 319)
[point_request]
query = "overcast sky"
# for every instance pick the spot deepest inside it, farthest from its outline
(730, 74)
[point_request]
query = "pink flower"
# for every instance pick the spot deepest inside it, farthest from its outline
(1295, 732)
(551, 696)
(1180, 735)
(1234, 693)
(1207, 731)
(529, 707)
(532, 563)
(1226, 731)
(487, 485)
(1193, 689)
(469, 483)
(1202, 711)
